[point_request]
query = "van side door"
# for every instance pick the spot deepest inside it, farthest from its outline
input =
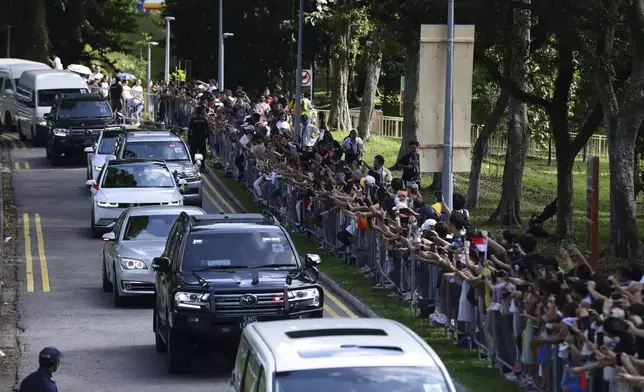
(249, 374)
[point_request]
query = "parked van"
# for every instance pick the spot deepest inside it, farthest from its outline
(338, 355)
(36, 93)
(9, 61)
(9, 76)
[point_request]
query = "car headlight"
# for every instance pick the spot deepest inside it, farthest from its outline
(173, 203)
(61, 132)
(98, 168)
(310, 296)
(132, 264)
(42, 122)
(191, 300)
(106, 204)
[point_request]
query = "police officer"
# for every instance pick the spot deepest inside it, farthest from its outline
(198, 132)
(40, 380)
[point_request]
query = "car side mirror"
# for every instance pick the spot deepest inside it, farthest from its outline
(47, 116)
(312, 260)
(161, 264)
(89, 150)
(8, 92)
(90, 183)
(198, 157)
(107, 237)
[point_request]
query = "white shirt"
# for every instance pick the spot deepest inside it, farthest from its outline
(137, 92)
(57, 63)
(356, 147)
(96, 76)
(126, 92)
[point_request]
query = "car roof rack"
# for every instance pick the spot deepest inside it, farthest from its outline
(265, 218)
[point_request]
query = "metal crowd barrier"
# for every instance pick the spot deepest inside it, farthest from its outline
(493, 334)
(142, 106)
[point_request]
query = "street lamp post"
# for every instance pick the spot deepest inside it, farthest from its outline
(168, 19)
(150, 45)
(220, 57)
(298, 73)
(8, 40)
(448, 134)
(221, 61)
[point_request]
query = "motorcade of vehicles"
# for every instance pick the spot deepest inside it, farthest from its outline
(35, 95)
(130, 183)
(169, 147)
(339, 355)
(139, 235)
(75, 123)
(102, 151)
(10, 73)
(220, 273)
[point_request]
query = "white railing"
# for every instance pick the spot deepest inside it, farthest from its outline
(390, 126)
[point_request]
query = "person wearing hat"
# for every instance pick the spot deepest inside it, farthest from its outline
(198, 133)
(41, 379)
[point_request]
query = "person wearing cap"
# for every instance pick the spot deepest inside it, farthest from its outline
(198, 133)
(41, 380)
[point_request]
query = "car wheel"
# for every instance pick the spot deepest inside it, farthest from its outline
(8, 123)
(117, 299)
(178, 351)
(20, 134)
(107, 286)
(95, 233)
(35, 140)
(55, 156)
(159, 344)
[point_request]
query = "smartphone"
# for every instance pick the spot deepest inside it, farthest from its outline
(600, 339)
(618, 359)
(564, 243)
(523, 287)
(616, 297)
(560, 277)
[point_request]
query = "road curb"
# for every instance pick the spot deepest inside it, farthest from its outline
(347, 297)
(213, 176)
(2, 152)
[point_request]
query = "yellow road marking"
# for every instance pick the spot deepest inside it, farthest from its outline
(340, 305)
(331, 311)
(212, 200)
(28, 259)
(11, 140)
(16, 165)
(27, 166)
(214, 190)
(44, 271)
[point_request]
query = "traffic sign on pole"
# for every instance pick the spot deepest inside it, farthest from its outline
(306, 77)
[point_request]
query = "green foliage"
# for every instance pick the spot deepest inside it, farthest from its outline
(178, 76)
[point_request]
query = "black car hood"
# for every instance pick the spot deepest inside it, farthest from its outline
(240, 279)
(84, 122)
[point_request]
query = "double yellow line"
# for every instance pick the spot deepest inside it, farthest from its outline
(207, 186)
(44, 271)
(26, 165)
(14, 139)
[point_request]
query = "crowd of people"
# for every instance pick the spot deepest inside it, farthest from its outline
(550, 322)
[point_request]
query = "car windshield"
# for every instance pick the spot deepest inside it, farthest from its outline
(244, 249)
(84, 109)
(148, 228)
(108, 143)
(362, 379)
(48, 97)
(165, 150)
(138, 175)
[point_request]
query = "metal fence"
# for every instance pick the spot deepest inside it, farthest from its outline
(502, 338)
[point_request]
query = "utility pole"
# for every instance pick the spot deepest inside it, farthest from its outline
(448, 135)
(8, 40)
(298, 73)
(220, 61)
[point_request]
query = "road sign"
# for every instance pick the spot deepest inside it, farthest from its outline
(306, 78)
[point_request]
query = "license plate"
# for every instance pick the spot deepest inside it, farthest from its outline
(244, 321)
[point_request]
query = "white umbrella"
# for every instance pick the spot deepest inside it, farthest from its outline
(79, 69)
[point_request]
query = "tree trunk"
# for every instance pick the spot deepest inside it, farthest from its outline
(339, 116)
(369, 95)
(411, 109)
(479, 151)
(565, 164)
(509, 208)
(32, 36)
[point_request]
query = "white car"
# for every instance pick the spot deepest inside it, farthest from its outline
(102, 152)
(130, 183)
(339, 355)
(139, 236)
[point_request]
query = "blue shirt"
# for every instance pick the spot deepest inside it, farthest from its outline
(39, 381)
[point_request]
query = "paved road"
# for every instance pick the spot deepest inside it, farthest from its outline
(104, 348)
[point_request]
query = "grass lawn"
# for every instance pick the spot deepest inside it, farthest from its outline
(539, 189)
(462, 364)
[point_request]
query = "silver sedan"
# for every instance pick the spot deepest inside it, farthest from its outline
(139, 235)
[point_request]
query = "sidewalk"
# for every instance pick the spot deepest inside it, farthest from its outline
(242, 201)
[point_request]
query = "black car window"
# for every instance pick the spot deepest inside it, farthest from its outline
(83, 109)
(251, 249)
(172, 240)
(148, 228)
(176, 252)
(119, 223)
(164, 150)
(138, 175)
(48, 97)
(108, 144)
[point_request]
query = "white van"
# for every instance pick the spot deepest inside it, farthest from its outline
(9, 75)
(9, 61)
(36, 93)
(337, 355)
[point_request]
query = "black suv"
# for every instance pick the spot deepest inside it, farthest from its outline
(75, 121)
(219, 273)
(169, 147)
